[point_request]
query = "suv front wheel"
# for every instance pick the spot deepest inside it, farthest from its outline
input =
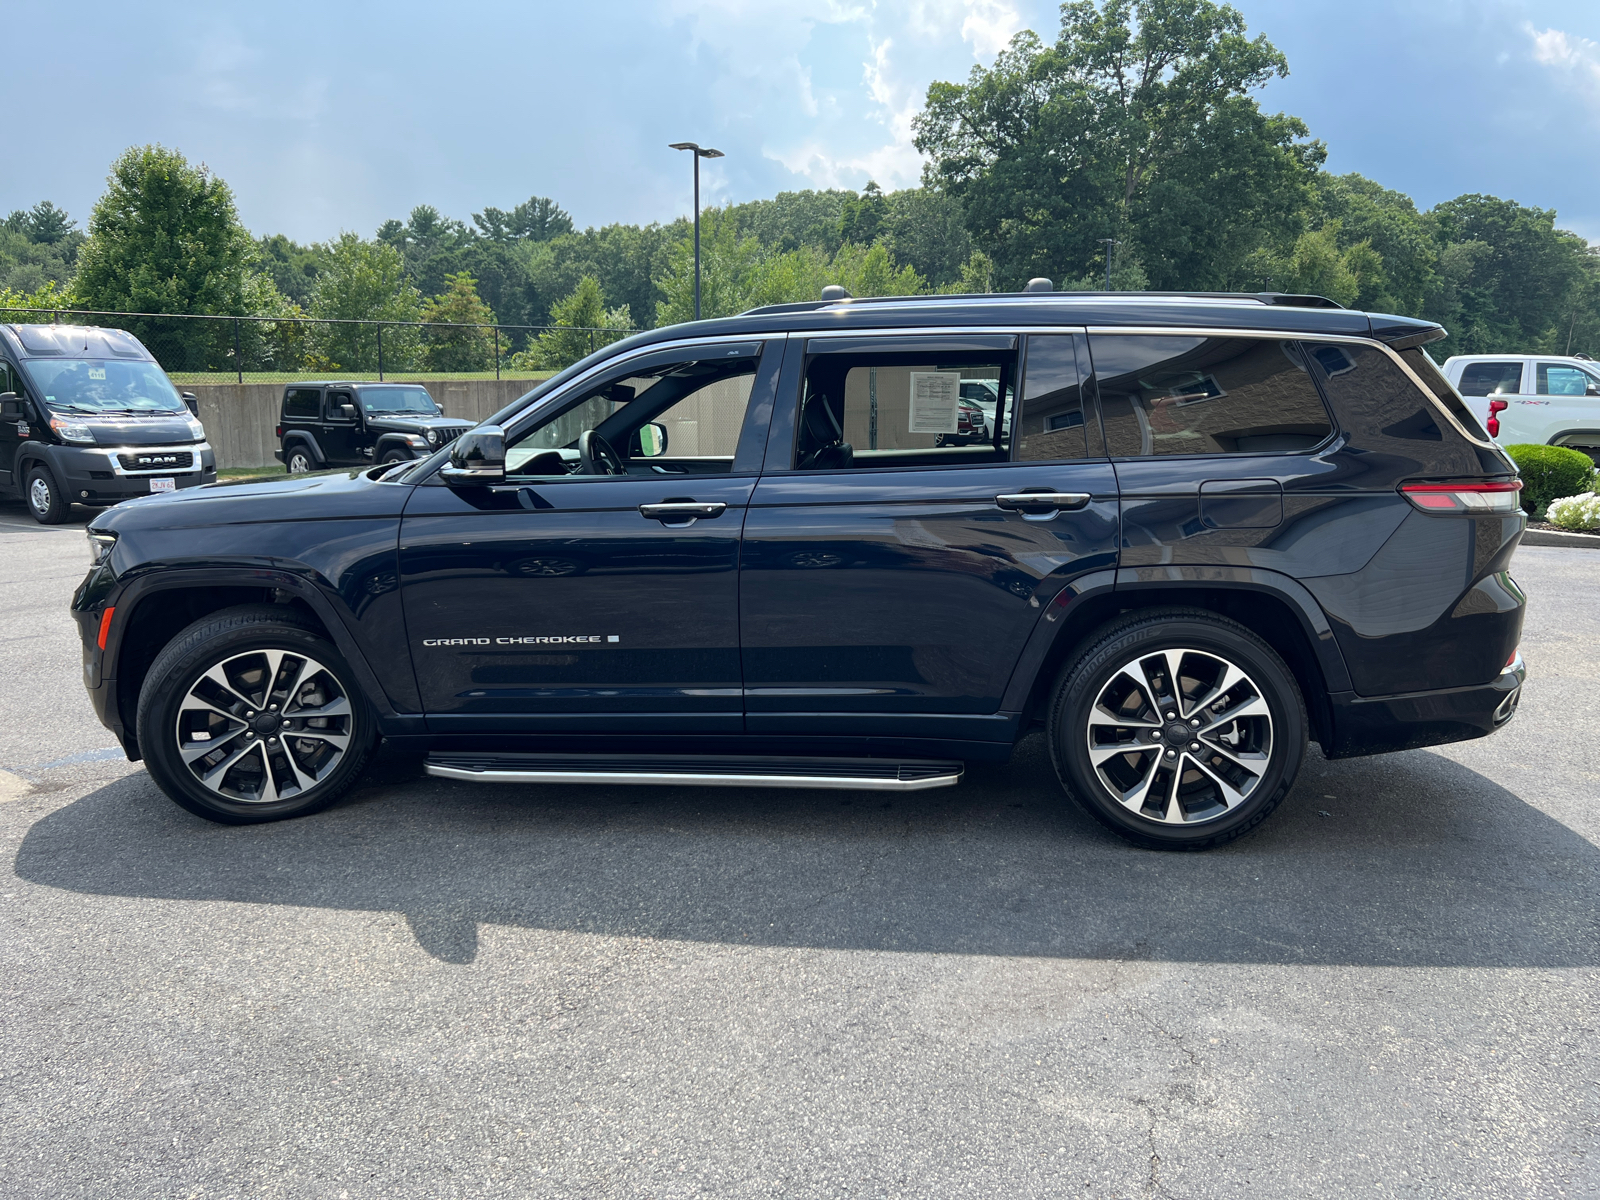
(45, 501)
(1177, 729)
(249, 715)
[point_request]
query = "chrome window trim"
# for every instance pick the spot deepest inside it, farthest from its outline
(1017, 329)
(195, 448)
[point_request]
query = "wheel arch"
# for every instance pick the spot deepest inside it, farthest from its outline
(154, 609)
(393, 441)
(1273, 606)
(294, 436)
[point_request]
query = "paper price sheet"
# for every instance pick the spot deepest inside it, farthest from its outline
(935, 401)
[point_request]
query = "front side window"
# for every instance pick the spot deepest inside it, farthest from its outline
(390, 401)
(1170, 394)
(1563, 379)
(103, 386)
(333, 406)
(8, 379)
(871, 406)
(669, 415)
(1491, 378)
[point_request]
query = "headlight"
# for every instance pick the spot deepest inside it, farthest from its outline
(196, 430)
(433, 437)
(72, 431)
(100, 545)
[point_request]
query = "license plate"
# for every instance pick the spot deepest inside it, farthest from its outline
(163, 485)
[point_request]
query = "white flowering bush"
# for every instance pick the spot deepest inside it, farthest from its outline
(1575, 512)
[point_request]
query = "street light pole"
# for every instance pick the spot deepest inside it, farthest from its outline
(698, 155)
(1109, 243)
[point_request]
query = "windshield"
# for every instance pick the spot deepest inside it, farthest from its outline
(103, 386)
(398, 400)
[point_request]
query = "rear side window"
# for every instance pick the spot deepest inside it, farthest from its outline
(1491, 378)
(1053, 424)
(1433, 379)
(302, 402)
(1563, 379)
(1166, 394)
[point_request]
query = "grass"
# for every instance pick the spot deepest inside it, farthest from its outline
(238, 473)
(183, 378)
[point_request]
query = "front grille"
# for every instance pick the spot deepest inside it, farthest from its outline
(164, 460)
(446, 436)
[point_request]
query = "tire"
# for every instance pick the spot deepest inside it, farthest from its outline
(1247, 758)
(297, 461)
(396, 455)
(183, 698)
(44, 498)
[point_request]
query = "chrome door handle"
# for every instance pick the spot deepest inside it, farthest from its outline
(1041, 506)
(682, 512)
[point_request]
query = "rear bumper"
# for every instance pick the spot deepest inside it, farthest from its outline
(1382, 724)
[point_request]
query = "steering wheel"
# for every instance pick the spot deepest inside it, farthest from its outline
(596, 457)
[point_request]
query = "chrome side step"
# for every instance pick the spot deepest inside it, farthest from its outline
(851, 774)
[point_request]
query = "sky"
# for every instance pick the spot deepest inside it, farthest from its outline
(330, 116)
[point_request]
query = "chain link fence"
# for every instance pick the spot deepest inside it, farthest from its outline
(210, 349)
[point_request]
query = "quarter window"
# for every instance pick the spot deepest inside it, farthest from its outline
(1166, 394)
(1491, 378)
(303, 403)
(1561, 379)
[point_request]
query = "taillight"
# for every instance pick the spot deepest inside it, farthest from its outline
(278, 432)
(1469, 498)
(1496, 407)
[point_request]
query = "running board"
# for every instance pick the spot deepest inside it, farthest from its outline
(852, 774)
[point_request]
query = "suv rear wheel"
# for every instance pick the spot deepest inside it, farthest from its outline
(45, 501)
(1177, 729)
(249, 715)
(297, 461)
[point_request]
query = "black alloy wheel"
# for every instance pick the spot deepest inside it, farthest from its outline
(1177, 729)
(45, 501)
(250, 715)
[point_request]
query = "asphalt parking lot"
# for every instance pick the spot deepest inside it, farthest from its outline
(440, 989)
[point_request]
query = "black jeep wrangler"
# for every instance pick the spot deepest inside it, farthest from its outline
(1198, 531)
(324, 425)
(87, 416)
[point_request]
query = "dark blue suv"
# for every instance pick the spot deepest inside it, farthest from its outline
(1196, 531)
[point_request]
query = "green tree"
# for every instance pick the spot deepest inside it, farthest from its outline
(1138, 124)
(466, 345)
(537, 220)
(926, 229)
(791, 220)
(364, 281)
(730, 266)
(583, 325)
(164, 238)
(861, 218)
(293, 267)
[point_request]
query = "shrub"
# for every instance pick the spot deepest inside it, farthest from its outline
(1549, 472)
(1576, 512)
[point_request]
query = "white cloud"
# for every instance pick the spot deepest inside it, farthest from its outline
(989, 26)
(1575, 58)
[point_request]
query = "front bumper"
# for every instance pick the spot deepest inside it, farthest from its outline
(1382, 724)
(97, 474)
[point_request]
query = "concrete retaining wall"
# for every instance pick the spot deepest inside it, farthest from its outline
(240, 417)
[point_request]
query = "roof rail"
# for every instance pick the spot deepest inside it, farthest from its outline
(1278, 299)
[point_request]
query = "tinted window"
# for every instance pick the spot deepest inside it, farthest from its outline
(1052, 401)
(1168, 394)
(1491, 378)
(1561, 379)
(1433, 379)
(398, 400)
(905, 407)
(333, 403)
(302, 402)
(8, 380)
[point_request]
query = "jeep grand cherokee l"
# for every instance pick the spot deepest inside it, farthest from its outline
(749, 552)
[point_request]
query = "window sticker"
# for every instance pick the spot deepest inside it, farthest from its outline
(97, 372)
(935, 397)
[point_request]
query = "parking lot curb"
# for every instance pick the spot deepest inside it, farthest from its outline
(1550, 537)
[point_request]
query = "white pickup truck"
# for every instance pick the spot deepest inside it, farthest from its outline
(1544, 399)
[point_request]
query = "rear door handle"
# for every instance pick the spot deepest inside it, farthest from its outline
(1041, 506)
(682, 512)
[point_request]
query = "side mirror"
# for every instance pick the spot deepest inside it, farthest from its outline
(347, 411)
(191, 402)
(649, 441)
(10, 405)
(477, 458)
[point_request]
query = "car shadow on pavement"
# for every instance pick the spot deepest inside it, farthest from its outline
(1405, 860)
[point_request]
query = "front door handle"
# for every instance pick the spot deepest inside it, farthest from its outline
(682, 512)
(1041, 506)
